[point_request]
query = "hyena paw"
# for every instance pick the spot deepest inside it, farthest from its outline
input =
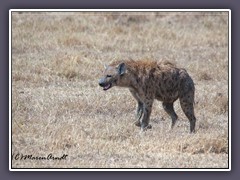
(137, 123)
(144, 128)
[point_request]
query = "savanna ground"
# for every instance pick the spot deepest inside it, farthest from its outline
(58, 107)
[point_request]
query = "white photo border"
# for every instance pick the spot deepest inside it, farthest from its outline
(120, 10)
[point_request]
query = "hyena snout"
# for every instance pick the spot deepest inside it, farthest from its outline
(103, 83)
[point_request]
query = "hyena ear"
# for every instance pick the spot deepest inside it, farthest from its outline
(105, 66)
(121, 68)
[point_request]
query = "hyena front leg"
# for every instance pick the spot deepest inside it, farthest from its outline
(139, 108)
(139, 113)
(147, 109)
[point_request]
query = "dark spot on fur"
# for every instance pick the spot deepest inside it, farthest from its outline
(165, 81)
(163, 75)
(151, 76)
(137, 80)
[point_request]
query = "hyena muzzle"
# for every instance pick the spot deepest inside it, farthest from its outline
(149, 80)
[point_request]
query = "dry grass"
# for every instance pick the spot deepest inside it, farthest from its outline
(57, 106)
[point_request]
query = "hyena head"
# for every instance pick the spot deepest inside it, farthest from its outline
(113, 76)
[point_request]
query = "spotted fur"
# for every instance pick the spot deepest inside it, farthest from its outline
(149, 80)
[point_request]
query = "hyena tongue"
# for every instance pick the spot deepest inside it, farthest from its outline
(106, 87)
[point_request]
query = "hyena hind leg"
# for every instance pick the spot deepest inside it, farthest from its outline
(168, 107)
(187, 107)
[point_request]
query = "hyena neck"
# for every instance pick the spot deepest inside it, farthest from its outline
(131, 82)
(124, 81)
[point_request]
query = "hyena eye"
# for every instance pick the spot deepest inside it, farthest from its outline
(109, 75)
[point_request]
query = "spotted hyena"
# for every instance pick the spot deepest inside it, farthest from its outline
(149, 80)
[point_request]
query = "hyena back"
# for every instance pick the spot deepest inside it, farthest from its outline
(149, 80)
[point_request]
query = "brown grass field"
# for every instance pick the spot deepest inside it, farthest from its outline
(58, 107)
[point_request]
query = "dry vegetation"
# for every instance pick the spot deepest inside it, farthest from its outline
(58, 108)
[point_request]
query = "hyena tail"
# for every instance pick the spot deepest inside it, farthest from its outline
(187, 86)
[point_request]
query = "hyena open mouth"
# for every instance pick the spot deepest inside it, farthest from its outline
(108, 86)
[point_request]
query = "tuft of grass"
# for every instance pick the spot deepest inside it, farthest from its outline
(66, 66)
(207, 145)
(222, 101)
(204, 76)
